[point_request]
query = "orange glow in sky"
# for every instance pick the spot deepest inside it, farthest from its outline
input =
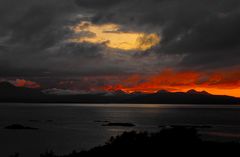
(113, 38)
(26, 83)
(219, 83)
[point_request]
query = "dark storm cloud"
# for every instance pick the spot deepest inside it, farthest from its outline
(33, 23)
(95, 4)
(34, 34)
(86, 50)
(206, 32)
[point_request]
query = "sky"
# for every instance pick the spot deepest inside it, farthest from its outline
(89, 46)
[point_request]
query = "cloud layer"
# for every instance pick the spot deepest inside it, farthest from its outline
(195, 35)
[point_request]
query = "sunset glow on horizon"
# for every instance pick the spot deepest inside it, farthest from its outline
(217, 83)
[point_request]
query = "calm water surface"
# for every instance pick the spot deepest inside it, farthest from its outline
(65, 127)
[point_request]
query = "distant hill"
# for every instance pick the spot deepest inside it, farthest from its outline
(11, 93)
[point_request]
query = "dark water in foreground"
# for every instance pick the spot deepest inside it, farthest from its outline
(64, 127)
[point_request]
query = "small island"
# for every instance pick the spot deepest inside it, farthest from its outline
(119, 124)
(19, 127)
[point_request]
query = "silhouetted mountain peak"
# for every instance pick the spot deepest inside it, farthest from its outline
(6, 85)
(119, 92)
(205, 92)
(162, 91)
(137, 93)
(192, 91)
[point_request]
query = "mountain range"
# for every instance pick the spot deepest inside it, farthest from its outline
(11, 93)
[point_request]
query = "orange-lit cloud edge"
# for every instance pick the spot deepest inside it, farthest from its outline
(25, 83)
(113, 37)
(225, 82)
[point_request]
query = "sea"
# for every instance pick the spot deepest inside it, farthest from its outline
(63, 128)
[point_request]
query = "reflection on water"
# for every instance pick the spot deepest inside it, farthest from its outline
(64, 127)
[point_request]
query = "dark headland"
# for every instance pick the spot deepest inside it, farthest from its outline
(183, 140)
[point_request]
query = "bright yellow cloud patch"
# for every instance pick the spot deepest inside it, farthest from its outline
(113, 38)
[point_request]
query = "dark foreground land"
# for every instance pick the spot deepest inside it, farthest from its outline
(177, 140)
